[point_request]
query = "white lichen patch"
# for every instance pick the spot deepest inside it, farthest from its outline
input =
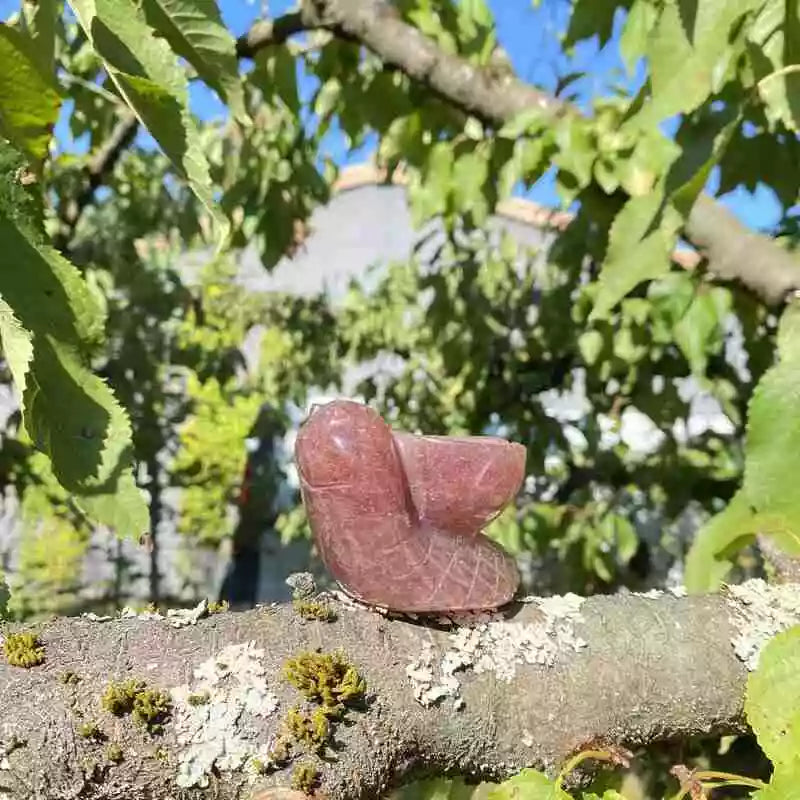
(178, 617)
(216, 716)
(657, 594)
(8, 744)
(131, 613)
(759, 611)
(650, 594)
(349, 602)
(527, 738)
(92, 617)
(302, 584)
(487, 642)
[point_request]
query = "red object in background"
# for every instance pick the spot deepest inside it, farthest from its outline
(397, 518)
(244, 490)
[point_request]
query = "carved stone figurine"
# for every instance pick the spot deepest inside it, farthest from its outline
(398, 518)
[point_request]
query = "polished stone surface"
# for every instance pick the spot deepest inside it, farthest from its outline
(397, 518)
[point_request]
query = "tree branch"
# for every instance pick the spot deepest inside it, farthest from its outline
(270, 32)
(100, 165)
(378, 26)
(528, 690)
(733, 252)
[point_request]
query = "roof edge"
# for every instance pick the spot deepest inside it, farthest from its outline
(518, 209)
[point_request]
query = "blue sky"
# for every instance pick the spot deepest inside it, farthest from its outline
(530, 37)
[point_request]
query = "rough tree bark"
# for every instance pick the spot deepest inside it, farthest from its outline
(478, 696)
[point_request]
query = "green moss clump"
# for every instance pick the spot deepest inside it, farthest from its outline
(23, 650)
(114, 753)
(151, 708)
(118, 698)
(282, 749)
(91, 730)
(313, 609)
(259, 767)
(218, 606)
(92, 771)
(312, 730)
(69, 678)
(305, 778)
(198, 698)
(326, 678)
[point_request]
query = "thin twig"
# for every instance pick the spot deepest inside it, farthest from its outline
(100, 165)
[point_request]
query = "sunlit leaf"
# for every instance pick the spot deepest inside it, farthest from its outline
(640, 245)
(772, 700)
(147, 74)
(195, 30)
(29, 98)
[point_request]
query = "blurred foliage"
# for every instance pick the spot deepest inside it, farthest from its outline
(487, 335)
(159, 391)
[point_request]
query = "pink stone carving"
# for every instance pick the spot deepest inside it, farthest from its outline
(397, 518)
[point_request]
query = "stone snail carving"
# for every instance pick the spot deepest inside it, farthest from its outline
(398, 518)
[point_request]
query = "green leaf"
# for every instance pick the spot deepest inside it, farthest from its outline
(711, 555)
(526, 164)
(327, 98)
(530, 785)
(605, 173)
(526, 122)
(435, 789)
(703, 143)
(5, 595)
(403, 138)
(473, 129)
(592, 18)
(470, 173)
(45, 291)
(751, 160)
(640, 244)
(652, 155)
(40, 18)
(152, 83)
(71, 415)
(772, 453)
(671, 297)
(784, 784)
(767, 501)
(429, 196)
(638, 24)
(21, 201)
(699, 332)
(774, 51)
(474, 16)
(576, 150)
(29, 97)
(17, 345)
(689, 45)
(590, 345)
(772, 699)
(195, 30)
(623, 534)
(49, 322)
